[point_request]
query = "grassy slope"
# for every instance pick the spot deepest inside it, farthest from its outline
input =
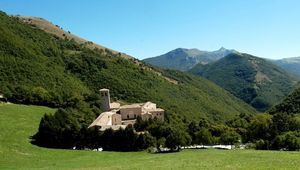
(56, 30)
(18, 122)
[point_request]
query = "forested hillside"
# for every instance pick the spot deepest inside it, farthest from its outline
(41, 68)
(254, 80)
(290, 105)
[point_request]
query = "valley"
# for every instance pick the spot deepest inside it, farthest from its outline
(77, 90)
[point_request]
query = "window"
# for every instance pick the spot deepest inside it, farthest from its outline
(127, 116)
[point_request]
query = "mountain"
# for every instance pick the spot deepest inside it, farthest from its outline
(40, 67)
(291, 65)
(290, 105)
(184, 59)
(254, 80)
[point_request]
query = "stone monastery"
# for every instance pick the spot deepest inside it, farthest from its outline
(116, 116)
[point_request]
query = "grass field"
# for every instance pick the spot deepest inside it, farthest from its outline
(19, 122)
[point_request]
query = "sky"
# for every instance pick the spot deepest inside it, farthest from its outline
(148, 28)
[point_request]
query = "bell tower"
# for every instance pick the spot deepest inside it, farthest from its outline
(105, 99)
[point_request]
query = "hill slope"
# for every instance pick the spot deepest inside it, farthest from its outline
(41, 68)
(290, 105)
(59, 32)
(254, 80)
(291, 65)
(184, 59)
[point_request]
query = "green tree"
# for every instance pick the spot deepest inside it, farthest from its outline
(295, 123)
(192, 129)
(204, 123)
(260, 127)
(203, 137)
(230, 138)
(60, 130)
(177, 138)
(144, 141)
(288, 141)
(281, 123)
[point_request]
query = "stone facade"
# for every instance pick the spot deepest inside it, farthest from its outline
(130, 111)
(117, 116)
(105, 97)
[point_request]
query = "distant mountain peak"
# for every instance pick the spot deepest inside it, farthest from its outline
(222, 49)
(184, 59)
(179, 49)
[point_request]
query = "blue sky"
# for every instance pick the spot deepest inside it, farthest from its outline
(147, 28)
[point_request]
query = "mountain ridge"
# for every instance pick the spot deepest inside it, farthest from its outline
(291, 65)
(56, 30)
(252, 79)
(184, 59)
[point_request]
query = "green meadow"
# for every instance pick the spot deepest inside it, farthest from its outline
(19, 122)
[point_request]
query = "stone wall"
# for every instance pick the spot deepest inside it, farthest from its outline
(130, 113)
(116, 119)
(159, 114)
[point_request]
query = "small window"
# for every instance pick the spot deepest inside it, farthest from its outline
(127, 116)
(134, 115)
